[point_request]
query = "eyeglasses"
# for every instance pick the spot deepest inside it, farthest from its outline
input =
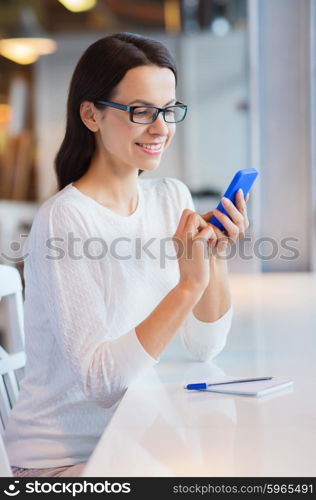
(148, 114)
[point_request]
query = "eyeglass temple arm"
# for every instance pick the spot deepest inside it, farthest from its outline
(114, 105)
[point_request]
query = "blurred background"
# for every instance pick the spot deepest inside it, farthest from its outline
(247, 73)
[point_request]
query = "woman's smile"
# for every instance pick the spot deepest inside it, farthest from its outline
(151, 148)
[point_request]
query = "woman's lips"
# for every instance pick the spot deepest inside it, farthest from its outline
(152, 148)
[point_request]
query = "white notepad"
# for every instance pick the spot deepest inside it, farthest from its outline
(259, 388)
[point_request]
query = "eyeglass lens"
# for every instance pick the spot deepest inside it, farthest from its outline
(172, 114)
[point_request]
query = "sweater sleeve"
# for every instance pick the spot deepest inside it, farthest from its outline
(204, 340)
(74, 292)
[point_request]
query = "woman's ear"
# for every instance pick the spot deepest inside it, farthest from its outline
(88, 114)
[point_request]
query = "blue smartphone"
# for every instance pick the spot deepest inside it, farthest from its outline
(243, 179)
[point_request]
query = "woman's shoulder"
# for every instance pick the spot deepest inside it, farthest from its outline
(61, 205)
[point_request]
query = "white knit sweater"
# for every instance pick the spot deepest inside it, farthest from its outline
(83, 299)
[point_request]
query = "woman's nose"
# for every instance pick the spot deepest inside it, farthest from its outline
(159, 126)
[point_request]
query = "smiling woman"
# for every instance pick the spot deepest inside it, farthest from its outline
(123, 65)
(95, 321)
(135, 136)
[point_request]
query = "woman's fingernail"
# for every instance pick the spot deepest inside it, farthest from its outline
(226, 201)
(240, 191)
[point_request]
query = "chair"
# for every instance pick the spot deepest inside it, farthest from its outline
(5, 469)
(9, 383)
(11, 364)
(11, 287)
(9, 389)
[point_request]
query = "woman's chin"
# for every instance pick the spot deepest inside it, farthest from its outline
(149, 167)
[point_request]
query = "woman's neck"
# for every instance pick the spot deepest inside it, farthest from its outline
(110, 188)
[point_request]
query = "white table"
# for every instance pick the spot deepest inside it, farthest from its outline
(159, 429)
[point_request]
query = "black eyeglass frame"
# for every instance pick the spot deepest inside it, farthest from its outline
(131, 109)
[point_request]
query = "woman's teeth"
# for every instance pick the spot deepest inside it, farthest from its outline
(154, 147)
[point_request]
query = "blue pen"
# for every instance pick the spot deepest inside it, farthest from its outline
(204, 385)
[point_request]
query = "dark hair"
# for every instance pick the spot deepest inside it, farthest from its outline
(99, 70)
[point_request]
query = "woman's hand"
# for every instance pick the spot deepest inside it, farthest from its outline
(235, 227)
(192, 240)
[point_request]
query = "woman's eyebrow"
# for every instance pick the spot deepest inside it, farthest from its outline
(146, 103)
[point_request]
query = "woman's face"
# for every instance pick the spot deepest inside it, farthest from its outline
(138, 146)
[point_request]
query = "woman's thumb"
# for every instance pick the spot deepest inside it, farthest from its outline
(207, 216)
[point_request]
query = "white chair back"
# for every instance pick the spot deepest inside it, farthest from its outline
(5, 469)
(11, 365)
(9, 388)
(11, 287)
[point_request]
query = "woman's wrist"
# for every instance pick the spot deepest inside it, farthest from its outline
(193, 291)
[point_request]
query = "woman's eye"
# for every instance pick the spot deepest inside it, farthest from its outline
(142, 112)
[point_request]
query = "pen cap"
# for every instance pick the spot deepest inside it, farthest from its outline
(196, 386)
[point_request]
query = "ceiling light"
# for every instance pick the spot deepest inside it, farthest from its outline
(78, 5)
(27, 42)
(26, 50)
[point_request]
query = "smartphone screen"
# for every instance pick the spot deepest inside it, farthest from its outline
(243, 179)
